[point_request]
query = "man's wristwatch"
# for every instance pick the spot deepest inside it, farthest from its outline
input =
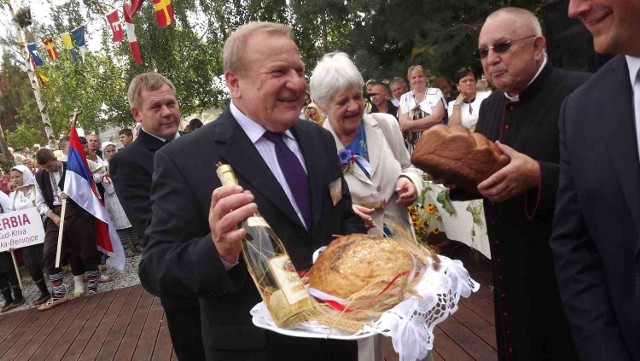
(457, 106)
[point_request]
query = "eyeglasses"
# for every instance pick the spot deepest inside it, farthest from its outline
(499, 48)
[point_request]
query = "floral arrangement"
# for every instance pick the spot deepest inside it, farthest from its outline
(425, 217)
(347, 159)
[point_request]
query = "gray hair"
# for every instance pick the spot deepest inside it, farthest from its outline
(235, 44)
(334, 74)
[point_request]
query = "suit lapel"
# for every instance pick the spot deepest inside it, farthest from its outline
(621, 137)
(375, 143)
(249, 166)
(149, 142)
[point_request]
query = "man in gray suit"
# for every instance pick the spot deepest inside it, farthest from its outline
(596, 236)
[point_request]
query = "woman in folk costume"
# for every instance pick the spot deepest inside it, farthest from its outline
(376, 164)
(24, 197)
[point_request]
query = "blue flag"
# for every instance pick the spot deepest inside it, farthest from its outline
(33, 51)
(78, 35)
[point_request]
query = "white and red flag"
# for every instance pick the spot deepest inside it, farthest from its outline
(80, 187)
(116, 26)
(131, 34)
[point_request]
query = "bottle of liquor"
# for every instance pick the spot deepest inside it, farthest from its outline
(268, 263)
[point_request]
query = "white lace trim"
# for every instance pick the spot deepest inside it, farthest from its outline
(410, 324)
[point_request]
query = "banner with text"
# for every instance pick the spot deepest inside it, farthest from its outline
(20, 229)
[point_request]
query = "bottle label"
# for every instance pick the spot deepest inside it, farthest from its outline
(255, 221)
(288, 279)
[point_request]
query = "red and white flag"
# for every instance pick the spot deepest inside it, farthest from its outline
(131, 35)
(116, 26)
(79, 186)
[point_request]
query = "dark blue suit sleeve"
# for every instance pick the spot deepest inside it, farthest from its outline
(579, 270)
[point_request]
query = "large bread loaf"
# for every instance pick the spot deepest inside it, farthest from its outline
(361, 262)
(457, 156)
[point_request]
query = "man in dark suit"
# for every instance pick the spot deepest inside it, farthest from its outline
(194, 243)
(521, 116)
(596, 230)
(153, 104)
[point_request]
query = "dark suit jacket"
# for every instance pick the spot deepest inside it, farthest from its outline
(131, 170)
(597, 222)
(181, 257)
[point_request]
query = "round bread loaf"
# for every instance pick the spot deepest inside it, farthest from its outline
(457, 156)
(358, 262)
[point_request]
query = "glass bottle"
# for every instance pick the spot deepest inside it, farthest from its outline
(269, 264)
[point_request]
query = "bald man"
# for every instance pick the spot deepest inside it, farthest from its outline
(522, 117)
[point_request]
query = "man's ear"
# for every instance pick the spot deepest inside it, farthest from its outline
(539, 44)
(136, 114)
(233, 84)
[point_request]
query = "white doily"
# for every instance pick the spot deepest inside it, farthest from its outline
(410, 324)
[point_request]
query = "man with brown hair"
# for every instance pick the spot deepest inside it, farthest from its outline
(79, 231)
(152, 99)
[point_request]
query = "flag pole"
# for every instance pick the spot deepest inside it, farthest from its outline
(15, 266)
(74, 116)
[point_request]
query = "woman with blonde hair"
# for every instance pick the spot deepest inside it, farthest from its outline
(314, 114)
(421, 108)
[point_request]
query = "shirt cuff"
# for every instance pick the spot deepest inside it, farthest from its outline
(228, 265)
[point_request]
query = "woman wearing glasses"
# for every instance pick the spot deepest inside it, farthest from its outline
(420, 108)
(466, 108)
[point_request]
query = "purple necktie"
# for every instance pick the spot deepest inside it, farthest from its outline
(294, 174)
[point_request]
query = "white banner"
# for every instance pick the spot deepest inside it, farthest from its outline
(20, 229)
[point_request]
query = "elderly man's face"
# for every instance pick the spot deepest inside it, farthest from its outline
(158, 112)
(397, 89)
(510, 71)
(94, 142)
(269, 85)
(614, 24)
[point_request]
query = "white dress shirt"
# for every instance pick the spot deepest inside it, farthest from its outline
(267, 150)
(634, 75)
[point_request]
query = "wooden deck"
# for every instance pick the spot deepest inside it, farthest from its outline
(127, 324)
(124, 324)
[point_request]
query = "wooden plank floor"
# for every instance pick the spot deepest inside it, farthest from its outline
(124, 324)
(469, 334)
(128, 324)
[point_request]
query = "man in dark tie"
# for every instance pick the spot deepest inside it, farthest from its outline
(152, 99)
(287, 169)
(596, 229)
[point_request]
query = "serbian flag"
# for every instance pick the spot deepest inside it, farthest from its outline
(131, 34)
(79, 186)
(164, 12)
(51, 48)
(34, 54)
(116, 26)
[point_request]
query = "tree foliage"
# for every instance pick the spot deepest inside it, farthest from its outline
(383, 36)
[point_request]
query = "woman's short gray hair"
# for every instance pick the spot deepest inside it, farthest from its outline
(334, 74)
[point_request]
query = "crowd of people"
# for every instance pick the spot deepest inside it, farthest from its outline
(563, 217)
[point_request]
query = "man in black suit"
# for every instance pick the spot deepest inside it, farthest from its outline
(153, 104)
(194, 243)
(596, 230)
(521, 116)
